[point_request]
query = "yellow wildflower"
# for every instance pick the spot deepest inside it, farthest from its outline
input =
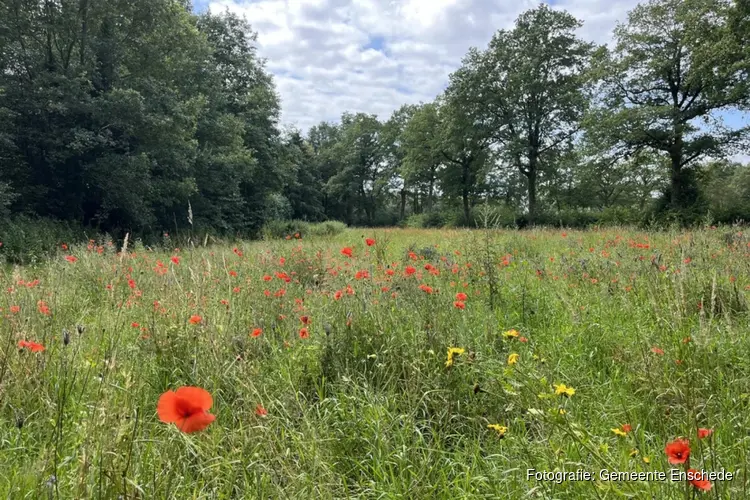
(619, 432)
(501, 429)
(633, 452)
(646, 460)
(510, 334)
(453, 351)
(513, 358)
(564, 390)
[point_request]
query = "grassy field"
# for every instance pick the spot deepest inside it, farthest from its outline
(431, 364)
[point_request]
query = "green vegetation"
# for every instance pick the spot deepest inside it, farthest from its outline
(647, 329)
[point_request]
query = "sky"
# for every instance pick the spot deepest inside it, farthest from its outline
(331, 56)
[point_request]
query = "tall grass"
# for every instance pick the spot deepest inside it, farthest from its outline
(650, 329)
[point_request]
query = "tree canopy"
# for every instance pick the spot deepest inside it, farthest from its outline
(143, 116)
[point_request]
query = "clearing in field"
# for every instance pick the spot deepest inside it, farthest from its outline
(381, 364)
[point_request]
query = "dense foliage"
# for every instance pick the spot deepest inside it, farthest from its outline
(143, 117)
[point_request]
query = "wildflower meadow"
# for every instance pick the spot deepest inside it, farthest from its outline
(404, 363)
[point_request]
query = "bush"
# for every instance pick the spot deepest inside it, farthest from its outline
(414, 221)
(280, 229)
(274, 229)
(26, 240)
(327, 228)
(618, 216)
(436, 218)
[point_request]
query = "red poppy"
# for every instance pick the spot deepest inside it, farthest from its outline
(704, 433)
(134, 324)
(260, 411)
(696, 478)
(176, 259)
(370, 242)
(303, 333)
(256, 332)
(459, 305)
(409, 270)
(187, 408)
(71, 258)
(32, 346)
(267, 278)
(15, 309)
(461, 296)
(305, 320)
(338, 294)
(195, 319)
(346, 251)
(523, 339)
(678, 451)
(658, 351)
(361, 274)
(43, 307)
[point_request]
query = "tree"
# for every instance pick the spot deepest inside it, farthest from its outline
(323, 138)
(422, 151)
(529, 90)
(359, 184)
(395, 151)
(302, 182)
(463, 144)
(118, 114)
(239, 142)
(674, 63)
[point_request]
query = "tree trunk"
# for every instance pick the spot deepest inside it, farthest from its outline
(430, 191)
(676, 179)
(403, 203)
(467, 211)
(531, 176)
(465, 190)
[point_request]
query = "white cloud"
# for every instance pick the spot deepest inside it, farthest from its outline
(331, 56)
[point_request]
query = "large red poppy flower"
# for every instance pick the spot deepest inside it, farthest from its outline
(697, 479)
(678, 451)
(187, 408)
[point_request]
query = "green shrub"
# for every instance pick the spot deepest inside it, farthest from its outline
(275, 229)
(434, 219)
(280, 229)
(618, 216)
(415, 221)
(27, 240)
(327, 228)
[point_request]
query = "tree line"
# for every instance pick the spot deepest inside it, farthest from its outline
(141, 115)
